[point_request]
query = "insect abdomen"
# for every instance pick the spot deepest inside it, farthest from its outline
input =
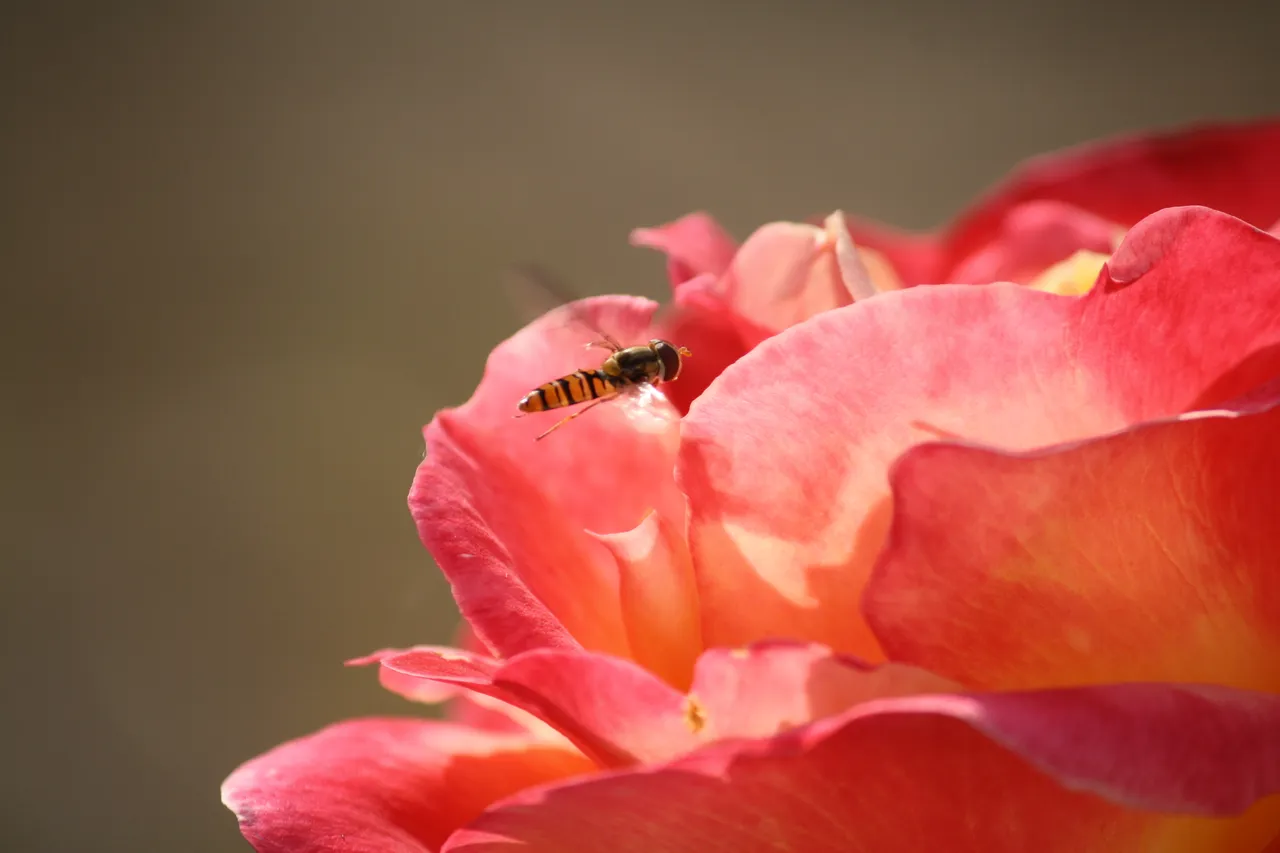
(577, 387)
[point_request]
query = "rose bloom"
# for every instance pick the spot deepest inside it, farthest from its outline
(952, 542)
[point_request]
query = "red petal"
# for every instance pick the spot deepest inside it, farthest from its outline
(706, 325)
(471, 528)
(466, 707)
(694, 244)
(785, 458)
(504, 516)
(1147, 555)
(416, 689)
(477, 710)
(1234, 168)
(989, 773)
(457, 672)
(383, 785)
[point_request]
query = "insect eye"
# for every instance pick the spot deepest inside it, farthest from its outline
(669, 357)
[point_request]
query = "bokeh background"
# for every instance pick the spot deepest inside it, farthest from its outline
(250, 247)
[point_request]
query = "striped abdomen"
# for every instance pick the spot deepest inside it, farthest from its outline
(578, 387)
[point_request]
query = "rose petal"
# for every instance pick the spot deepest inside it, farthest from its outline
(785, 458)
(416, 689)
(1146, 555)
(505, 516)
(613, 710)
(471, 514)
(659, 598)
(1033, 237)
(466, 707)
(702, 322)
(986, 773)
(883, 277)
(769, 687)
(1232, 167)
(619, 714)
(787, 272)
(475, 709)
(383, 785)
(694, 244)
(915, 258)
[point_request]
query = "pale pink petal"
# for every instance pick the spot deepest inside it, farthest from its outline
(915, 258)
(787, 272)
(769, 687)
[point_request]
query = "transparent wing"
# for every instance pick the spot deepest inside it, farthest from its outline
(536, 291)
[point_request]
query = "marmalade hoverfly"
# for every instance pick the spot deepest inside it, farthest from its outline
(627, 377)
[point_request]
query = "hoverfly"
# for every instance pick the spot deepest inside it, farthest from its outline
(628, 376)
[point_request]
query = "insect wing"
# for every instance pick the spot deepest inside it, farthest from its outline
(536, 292)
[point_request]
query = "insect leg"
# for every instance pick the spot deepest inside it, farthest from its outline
(578, 413)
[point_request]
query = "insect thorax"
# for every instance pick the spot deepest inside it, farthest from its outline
(637, 364)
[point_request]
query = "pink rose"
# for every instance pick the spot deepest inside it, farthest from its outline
(966, 567)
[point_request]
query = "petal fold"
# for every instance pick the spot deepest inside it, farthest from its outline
(659, 597)
(787, 272)
(610, 708)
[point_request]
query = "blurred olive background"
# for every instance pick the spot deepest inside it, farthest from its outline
(250, 247)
